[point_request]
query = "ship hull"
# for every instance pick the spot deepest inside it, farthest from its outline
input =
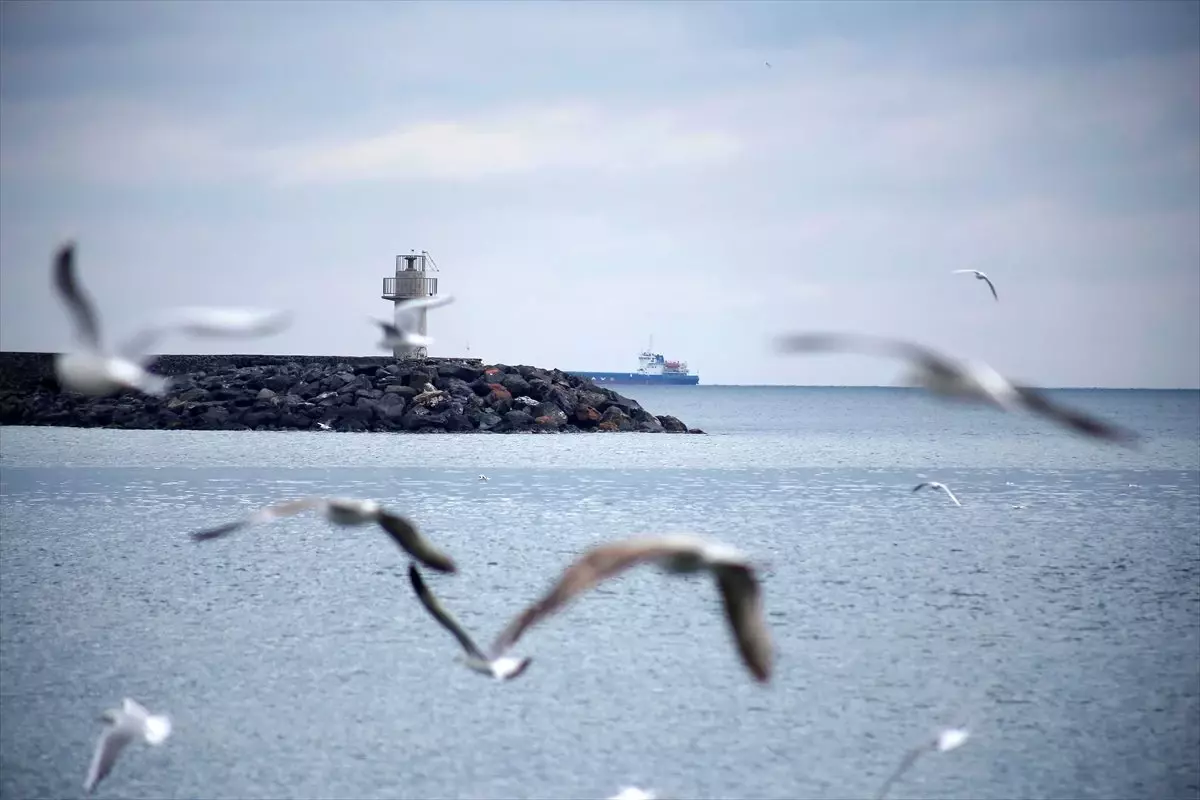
(638, 379)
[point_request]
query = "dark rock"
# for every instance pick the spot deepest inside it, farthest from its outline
(359, 394)
(672, 425)
(517, 420)
(615, 416)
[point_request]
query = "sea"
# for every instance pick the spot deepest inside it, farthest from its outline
(1055, 614)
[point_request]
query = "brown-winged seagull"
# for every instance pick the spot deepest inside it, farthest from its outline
(676, 554)
(95, 370)
(946, 740)
(936, 485)
(404, 330)
(342, 511)
(979, 276)
(966, 380)
(503, 668)
(131, 721)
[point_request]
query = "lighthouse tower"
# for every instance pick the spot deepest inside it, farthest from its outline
(411, 281)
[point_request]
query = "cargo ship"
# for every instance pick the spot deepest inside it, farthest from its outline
(652, 369)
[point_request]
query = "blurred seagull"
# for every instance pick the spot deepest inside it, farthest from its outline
(94, 370)
(502, 669)
(484, 478)
(676, 554)
(348, 513)
(124, 725)
(936, 485)
(964, 380)
(325, 426)
(404, 331)
(946, 740)
(634, 793)
(980, 277)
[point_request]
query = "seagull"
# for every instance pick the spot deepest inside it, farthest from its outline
(634, 793)
(345, 512)
(403, 331)
(979, 276)
(503, 668)
(936, 485)
(965, 380)
(946, 740)
(484, 478)
(325, 426)
(677, 554)
(124, 725)
(95, 370)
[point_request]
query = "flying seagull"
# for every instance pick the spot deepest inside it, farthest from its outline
(979, 276)
(484, 478)
(404, 330)
(966, 380)
(634, 793)
(349, 513)
(936, 485)
(946, 740)
(123, 726)
(95, 370)
(503, 668)
(678, 554)
(325, 426)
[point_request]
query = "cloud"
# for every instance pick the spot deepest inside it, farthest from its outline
(588, 174)
(574, 137)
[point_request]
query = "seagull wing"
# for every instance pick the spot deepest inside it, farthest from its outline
(426, 302)
(946, 489)
(595, 566)
(112, 742)
(205, 321)
(965, 271)
(909, 759)
(743, 608)
(921, 486)
(988, 281)
(78, 303)
(1039, 403)
(441, 614)
(262, 515)
(873, 345)
(405, 534)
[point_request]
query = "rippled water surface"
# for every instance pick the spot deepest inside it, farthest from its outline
(1059, 606)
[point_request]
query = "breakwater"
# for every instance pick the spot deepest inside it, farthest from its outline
(370, 393)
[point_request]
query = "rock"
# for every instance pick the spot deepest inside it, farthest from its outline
(360, 394)
(518, 420)
(617, 418)
(672, 425)
(586, 416)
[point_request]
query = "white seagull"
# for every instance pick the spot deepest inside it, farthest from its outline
(936, 485)
(634, 792)
(484, 478)
(94, 370)
(677, 554)
(325, 426)
(503, 668)
(946, 740)
(964, 380)
(130, 722)
(979, 276)
(403, 331)
(349, 513)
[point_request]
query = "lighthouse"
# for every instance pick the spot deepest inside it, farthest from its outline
(411, 281)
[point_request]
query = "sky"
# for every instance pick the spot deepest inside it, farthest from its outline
(590, 175)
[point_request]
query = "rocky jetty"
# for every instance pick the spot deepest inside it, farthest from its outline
(346, 394)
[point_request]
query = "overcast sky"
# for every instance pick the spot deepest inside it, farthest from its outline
(589, 175)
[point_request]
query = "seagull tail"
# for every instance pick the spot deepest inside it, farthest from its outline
(158, 728)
